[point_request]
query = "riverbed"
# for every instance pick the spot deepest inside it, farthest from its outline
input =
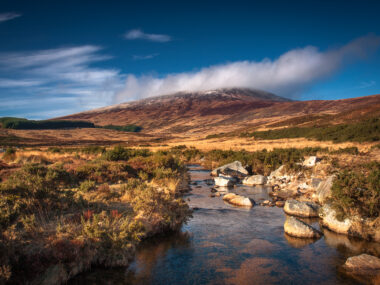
(223, 244)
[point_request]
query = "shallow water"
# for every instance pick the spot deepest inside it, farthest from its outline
(223, 244)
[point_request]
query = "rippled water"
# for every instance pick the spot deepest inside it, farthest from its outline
(223, 244)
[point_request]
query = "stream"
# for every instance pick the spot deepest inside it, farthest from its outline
(223, 244)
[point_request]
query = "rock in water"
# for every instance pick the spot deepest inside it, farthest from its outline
(297, 228)
(280, 204)
(234, 169)
(255, 180)
(364, 267)
(330, 221)
(223, 181)
(323, 191)
(301, 209)
(237, 200)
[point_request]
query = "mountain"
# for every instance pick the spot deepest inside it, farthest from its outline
(227, 110)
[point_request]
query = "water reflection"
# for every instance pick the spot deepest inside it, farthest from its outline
(299, 242)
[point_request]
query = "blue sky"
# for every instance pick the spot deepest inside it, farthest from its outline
(61, 57)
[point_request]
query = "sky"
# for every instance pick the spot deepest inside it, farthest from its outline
(62, 57)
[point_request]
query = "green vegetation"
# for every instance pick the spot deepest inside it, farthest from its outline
(24, 124)
(365, 131)
(357, 191)
(127, 128)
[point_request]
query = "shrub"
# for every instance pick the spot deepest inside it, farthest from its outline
(121, 153)
(126, 128)
(87, 186)
(9, 154)
(357, 191)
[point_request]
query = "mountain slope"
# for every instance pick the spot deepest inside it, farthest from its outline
(226, 110)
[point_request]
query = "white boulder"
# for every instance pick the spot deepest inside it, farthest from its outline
(255, 180)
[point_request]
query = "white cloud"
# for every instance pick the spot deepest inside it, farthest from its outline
(8, 16)
(138, 34)
(286, 76)
(50, 75)
(144, 57)
(366, 84)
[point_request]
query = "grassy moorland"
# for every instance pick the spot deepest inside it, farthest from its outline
(365, 131)
(89, 207)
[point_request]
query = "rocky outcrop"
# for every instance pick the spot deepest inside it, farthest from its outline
(224, 181)
(297, 228)
(365, 268)
(278, 173)
(356, 226)
(235, 169)
(329, 220)
(323, 192)
(255, 180)
(238, 200)
(301, 209)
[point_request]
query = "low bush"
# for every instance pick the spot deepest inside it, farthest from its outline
(357, 191)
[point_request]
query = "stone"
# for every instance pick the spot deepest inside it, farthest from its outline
(224, 181)
(301, 209)
(365, 268)
(315, 182)
(238, 200)
(297, 228)
(323, 191)
(255, 180)
(217, 194)
(310, 161)
(280, 204)
(234, 169)
(330, 221)
(278, 173)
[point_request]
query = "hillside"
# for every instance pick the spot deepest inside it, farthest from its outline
(227, 110)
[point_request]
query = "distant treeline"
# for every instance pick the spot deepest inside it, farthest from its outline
(126, 128)
(25, 124)
(365, 131)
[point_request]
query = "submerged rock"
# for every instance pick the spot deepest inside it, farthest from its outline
(224, 181)
(297, 228)
(233, 169)
(255, 180)
(301, 209)
(238, 200)
(364, 268)
(280, 204)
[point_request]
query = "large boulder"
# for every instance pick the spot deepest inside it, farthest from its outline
(323, 192)
(278, 173)
(329, 220)
(233, 169)
(238, 200)
(255, 180)
(301, 209)
(355, 226)
(365, 268)
(224, 181)
(297, 228)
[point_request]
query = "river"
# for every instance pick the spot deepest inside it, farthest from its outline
(223, 244)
